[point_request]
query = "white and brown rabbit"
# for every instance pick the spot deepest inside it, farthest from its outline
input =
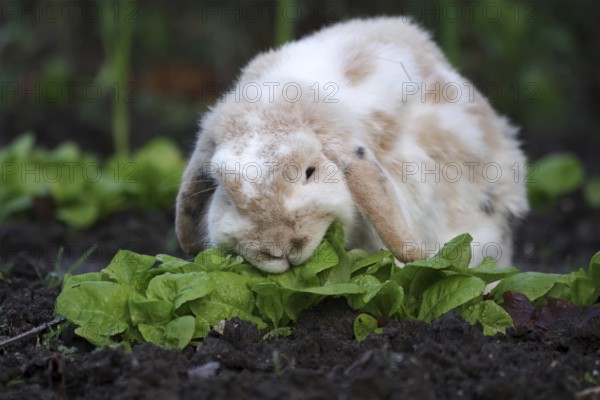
(364, 122)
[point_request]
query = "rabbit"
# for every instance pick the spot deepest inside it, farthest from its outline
(364, 122)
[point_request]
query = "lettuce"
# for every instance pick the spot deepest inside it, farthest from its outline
(83, 188)
(170, 302)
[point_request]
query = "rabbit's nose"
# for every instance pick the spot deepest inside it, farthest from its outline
(294, 250)
(296, 244)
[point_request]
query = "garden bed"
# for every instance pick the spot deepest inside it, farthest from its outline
(321, 359)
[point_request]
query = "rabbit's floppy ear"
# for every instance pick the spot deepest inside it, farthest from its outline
(195, 192)
(375, 196)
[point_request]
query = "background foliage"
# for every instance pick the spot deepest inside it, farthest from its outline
(535, 60)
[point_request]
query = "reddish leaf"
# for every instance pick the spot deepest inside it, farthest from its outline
(519, 308)
(524, 313)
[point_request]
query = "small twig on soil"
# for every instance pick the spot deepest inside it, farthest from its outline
(32, 331)
(588, 391)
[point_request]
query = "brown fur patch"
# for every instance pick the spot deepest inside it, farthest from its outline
(435, 91)
(233, 125)
(487, 122)
(233, 185)
(441, 145)
(385, 132)
(429, 61)
(298, 243)
(379, 204)
(359, 66)
(445, 148)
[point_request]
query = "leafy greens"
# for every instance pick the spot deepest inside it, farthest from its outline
(81, 187)
(170, 301)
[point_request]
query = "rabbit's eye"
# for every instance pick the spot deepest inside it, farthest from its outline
(309, 172)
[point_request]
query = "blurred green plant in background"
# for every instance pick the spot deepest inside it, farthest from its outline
(558, 175)
(284, 28)
(164, 66)
(117, 29)
(78, 189)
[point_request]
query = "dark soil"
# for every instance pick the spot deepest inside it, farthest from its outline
(321, 360)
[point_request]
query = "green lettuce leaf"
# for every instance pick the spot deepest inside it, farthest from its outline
(230, 298)
(169, 301)
(490, 315)
(176, 334)
(99, 308)
(447, 294)
(457, 251)
(180, 288)
(384, 299)
(364, 325)
(534, 285)
(488, 272)
(129, 269)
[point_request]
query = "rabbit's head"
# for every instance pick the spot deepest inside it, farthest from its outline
(267, 189)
